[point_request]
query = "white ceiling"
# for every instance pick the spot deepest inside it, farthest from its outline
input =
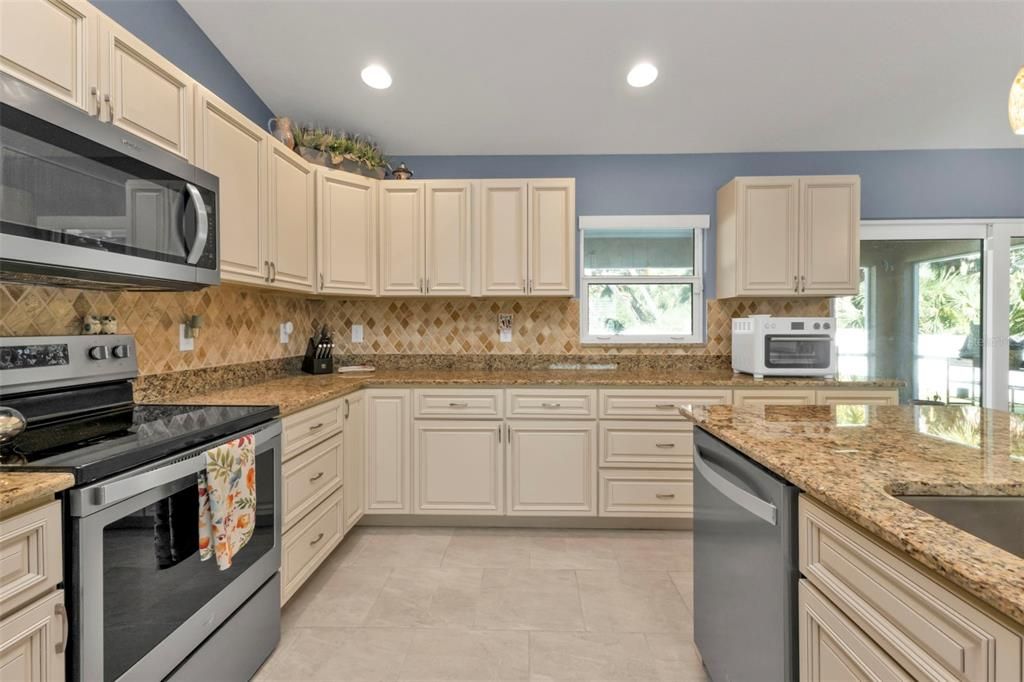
(548, 76)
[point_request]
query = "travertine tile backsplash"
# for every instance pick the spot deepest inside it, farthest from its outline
(241, 324)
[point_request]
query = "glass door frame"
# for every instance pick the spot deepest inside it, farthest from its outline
(995, 235)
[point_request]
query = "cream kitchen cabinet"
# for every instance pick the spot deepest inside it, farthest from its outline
(235, 149)
(551, 468)
(142, 92)
(346, 233)
(354, 458)
(458, 468)
(292, 220)
(789, 236)
(527, 237)
(426, 238)
(52, 44)
(767, 396)
(33, 642)
(850, 396)
(388, 426)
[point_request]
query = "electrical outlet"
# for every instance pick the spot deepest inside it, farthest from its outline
(185, 343)
(357, 333)
(505, 327)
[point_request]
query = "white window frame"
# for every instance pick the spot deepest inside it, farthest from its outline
(995, 235)
(699, 224)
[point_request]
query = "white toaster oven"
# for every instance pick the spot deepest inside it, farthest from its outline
(763, 345)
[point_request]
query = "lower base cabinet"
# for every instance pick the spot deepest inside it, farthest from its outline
(308, 543)
(457, 467)
(832, 649)
(354, 460)
(388, 475)
(552, 468)
(33, 640)
(646, 493)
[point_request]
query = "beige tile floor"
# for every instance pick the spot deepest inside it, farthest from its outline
(494, 604)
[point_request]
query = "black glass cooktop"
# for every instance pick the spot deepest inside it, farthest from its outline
(112, 441)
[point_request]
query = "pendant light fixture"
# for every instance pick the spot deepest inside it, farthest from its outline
(1017, 103)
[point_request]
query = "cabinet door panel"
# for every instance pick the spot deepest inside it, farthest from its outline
(552, 241)
(51, 44)
(292, 220)
(449, 238)
(458, 467)
(829, 235)
(552, 469)
(768, 226)
(354, 458)
(347, 233)
(759, 397)
(503, 237)
(401, 237)
(31, 647)
(148, 96)
(387, 448)
(234, 149)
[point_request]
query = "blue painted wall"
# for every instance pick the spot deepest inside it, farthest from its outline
(977, 183)
(165, 26)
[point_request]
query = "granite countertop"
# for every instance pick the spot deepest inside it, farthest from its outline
(17, 487)
(854, 458)
(297, 391)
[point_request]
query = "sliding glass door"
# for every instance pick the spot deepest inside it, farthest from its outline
(927, 313)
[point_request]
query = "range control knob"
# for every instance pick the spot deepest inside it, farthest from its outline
(827, 325)
(817, 326)
(122, 351)
(99, 353)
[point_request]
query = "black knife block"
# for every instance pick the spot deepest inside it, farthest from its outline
(314, 365)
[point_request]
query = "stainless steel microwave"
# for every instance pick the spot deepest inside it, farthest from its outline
(83, 203)
(763, 345)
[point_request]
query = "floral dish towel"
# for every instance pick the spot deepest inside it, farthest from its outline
(227, 500)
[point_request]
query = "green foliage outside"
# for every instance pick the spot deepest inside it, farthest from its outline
(640, 309)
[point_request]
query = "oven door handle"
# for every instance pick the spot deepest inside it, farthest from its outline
(766, 511)
(202, 224)
(811, 339)
(128, 487)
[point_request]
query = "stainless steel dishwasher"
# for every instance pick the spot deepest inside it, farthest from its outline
(745, 568)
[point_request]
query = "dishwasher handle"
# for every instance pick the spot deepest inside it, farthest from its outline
(766, 511)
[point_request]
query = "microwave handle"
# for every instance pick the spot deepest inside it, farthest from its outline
(202, 224)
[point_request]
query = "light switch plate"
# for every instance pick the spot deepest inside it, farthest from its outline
(505, 327)
(357, 333)
(185, 343)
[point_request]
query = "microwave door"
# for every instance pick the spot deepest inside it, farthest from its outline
(797, 352)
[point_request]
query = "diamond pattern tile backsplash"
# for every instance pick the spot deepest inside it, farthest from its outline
(241, 324)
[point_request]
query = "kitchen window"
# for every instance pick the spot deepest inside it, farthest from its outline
(641, 279)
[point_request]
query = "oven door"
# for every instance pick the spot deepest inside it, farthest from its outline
(80, 199)
(804, 352)
(142, 600)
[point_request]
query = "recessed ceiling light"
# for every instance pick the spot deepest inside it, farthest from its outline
(376, 76)
(642, 75)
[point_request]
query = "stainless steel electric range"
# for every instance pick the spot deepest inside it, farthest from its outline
(142, 606)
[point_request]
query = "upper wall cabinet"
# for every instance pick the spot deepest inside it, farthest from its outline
(142, 92)
(346, 233)
(426, 238)
(51, 44)
(291, 219)
(528, 237)
(234, 149)
(789, 236)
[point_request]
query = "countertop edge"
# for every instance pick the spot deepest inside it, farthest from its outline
(18, 488)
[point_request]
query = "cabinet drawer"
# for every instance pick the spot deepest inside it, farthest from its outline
(857, 397)
(635, 492)
(302, 429)
(552, 403)
(928, 629)
(833, 648)
(758, 397)
(443, 403)
(305, 546)
(30, 555)
(664, 404)
(660, 445)
(309, 478)
(33, 641)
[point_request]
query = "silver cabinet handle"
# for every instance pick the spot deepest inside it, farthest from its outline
(347, 409)
(551, 406)
(266, 268)
(60, 611)
(766, 511)
(318, 539)
(273, 271)
(524, 286)
(421, 285)
(202, 225)
(110, 105)
(665, 406)
(96, 96)
(796, 287)
(508, 433)
(458, 404)
(530, 286)
(321, 280)
(665, 496)
(499, 434)
(803, 283)
(314, 427)
(664, 445)
(317, 477)
(426, 286)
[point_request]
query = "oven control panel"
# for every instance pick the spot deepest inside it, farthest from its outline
(44, 362)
